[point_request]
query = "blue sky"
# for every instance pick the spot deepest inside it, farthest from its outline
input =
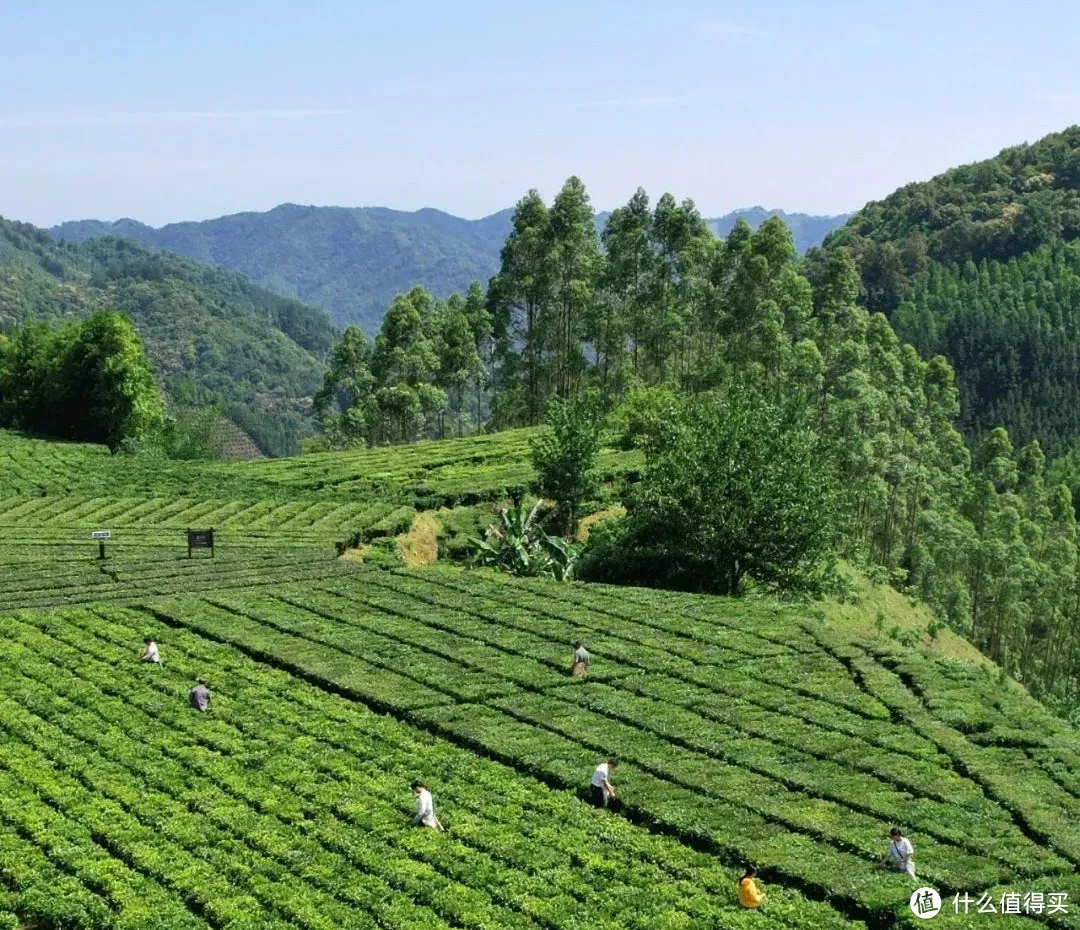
(166, 111)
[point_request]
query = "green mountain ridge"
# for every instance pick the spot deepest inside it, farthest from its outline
(353, 261)
(210, 332)
(981, 264)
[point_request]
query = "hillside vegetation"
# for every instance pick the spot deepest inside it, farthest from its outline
(996, 209)
(978, 264)
(210, 333)
(354, 261)
(654, 322)
(1012, 330)
(747, 729)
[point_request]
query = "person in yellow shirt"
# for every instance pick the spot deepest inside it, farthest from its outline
(750, 896)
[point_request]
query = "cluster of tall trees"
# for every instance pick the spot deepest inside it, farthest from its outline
(1012, 331)
(88, 381)
(422, 375)
(1000, 564)
(653, 310)
(643, 301)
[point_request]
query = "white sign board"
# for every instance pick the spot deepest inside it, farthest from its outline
(101, 534)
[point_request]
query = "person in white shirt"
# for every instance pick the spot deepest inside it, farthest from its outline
(425, 807)
(579, 668)
(900, 856)
(601, 791)
(150, 652)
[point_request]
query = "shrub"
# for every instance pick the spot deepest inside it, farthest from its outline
(736, 489)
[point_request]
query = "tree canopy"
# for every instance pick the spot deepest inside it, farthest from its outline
(415, 378)
(564, 455)
(739, 489)
(88, 381)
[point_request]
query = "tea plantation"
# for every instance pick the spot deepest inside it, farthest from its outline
(748, 731)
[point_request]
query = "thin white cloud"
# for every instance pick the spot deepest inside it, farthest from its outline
(119, 118)
(651, 101)
(732, 30)
(1069, 99)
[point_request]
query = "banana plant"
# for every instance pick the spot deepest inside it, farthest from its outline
(518, 545)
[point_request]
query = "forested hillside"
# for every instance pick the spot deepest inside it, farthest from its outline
(1012, 330)
(976, 264)
(996, 209)
(653, 316)
(210, 333)
(354, 261)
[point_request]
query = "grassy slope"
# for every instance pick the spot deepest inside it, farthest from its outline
(858, 615)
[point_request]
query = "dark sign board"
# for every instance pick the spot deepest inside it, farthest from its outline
(99, 536)
(200, 539)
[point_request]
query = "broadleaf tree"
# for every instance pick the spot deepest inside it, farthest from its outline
(741, 490)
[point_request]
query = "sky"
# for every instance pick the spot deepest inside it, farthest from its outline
(166, 111)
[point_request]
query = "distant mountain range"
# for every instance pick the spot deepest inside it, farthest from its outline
(211, 333)
(807, 229)
(352, 261)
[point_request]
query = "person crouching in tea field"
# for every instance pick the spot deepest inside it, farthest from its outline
(900, 856)
(425, 807)
(150, 651)
(199, 696)
(750, 896)
(580, 666)
(601, 791)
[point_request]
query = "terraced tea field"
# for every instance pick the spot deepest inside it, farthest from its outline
(57, 493)
(741, 731)
(54, 576)
(426, 474)
(747, 731)
(155, 522)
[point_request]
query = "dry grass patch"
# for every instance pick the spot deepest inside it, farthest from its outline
(587, 523)
(356, 555)
(420, 545)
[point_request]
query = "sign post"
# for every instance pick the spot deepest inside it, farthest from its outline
(200, 539)
(101, 536)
